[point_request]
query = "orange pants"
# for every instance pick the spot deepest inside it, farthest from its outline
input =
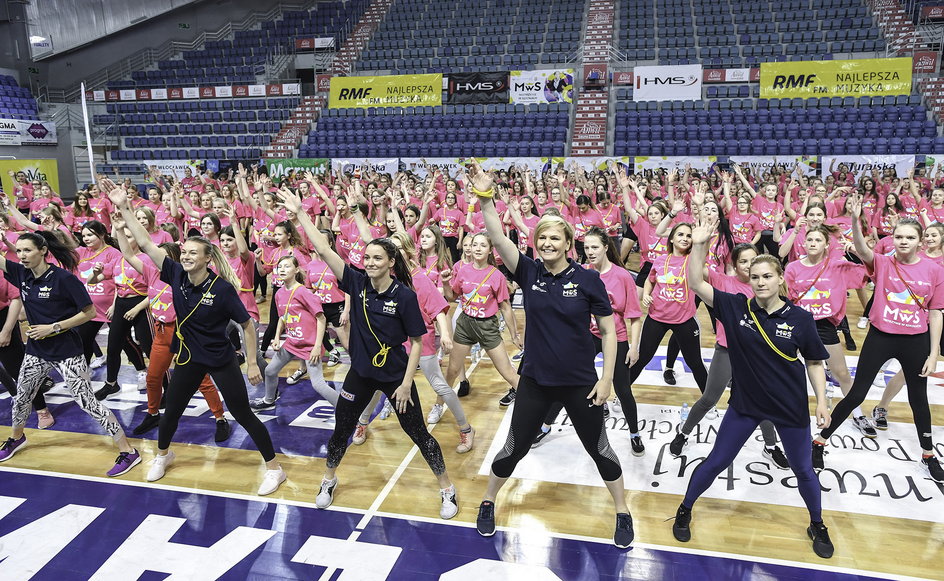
(159, 364)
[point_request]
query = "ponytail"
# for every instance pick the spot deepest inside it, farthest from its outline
(223, 267)
(54, 245)
(401, 270)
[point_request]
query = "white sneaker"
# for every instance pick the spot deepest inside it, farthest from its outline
(863, 322)
(142, 380)
(386, 411)
(450, 507)
(326, 494)
(271, 481)
(879, 380)
(97, 362)
(435, 413)
(158, 466)
(712, 414)
(360, 434)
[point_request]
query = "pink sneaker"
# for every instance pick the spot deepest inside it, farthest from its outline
(466, 441)
(45, 419)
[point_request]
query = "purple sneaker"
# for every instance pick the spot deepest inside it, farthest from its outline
(10, 447)
(125, 461)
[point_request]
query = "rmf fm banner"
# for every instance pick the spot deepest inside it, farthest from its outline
(667, 83)
(852, 78)
(386, 91)
(44, 170)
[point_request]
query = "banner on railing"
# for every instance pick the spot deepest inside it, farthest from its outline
(544, 86)
(667, 83)
(44, 170)
(19, 132)
(759, 164)
(359, 166)
(861, 165)
(474, 88)
(932, 12)
(386, 91)
(279, 168)
(731, 75)
(846, 78)
(670, 163)
(926, 61)
(174, 168)
(174, 93)
(314, 43)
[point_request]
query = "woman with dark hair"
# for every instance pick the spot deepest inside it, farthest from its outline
(97, 250)
(385, 313)
(205, 302)
(11, 352)
(80, 212)
(55, 302)
(886, 218)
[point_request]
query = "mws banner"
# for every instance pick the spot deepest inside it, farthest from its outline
(385, 91)
(545, 86)
(851, 78)
(469, 88)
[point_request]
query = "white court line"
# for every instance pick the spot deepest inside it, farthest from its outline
(383, 514)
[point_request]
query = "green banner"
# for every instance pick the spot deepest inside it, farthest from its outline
(279, 168)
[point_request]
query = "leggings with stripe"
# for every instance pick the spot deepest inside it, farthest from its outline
(719, 375)
(75, 372)
(531, 406)
(911, 351)
(119, 335)
(11, 358)
(689, 338)
(356, 393)
(621, 385)
(735, 430)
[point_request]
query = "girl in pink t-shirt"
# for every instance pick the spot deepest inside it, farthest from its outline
(521, 213)
(671, 308)
(932, 210)
(450, 219)
(96, 252)
(482, 291)
(301, 319)
(288, 243)
(906, 325)
(745, 225)
(434, 255)
(643, 219)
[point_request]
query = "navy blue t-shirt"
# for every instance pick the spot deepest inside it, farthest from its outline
(203, 327)
(55, 296)
(765, 385)
(394, 317)
(558, 346)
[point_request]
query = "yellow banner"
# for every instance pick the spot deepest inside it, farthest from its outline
(43, 170)
(853, 78)
(387, 91)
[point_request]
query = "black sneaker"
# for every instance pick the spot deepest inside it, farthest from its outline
(822, 546)
(669, 376)
(222, 430)
(850, 346)
(107, 390)
(638, 447)
(485, 523)
(818, 452)
(299, 374)
(880, 417)
(777, 457)
(864, 426)
(933, 466)
(675, 448)
(539, 438)
(681, 528)
(147, 424)
(464, 388)
(623, 536)
(508, 398)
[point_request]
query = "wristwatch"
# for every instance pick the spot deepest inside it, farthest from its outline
(56, 328)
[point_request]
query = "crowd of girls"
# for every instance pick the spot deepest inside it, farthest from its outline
(373, 264)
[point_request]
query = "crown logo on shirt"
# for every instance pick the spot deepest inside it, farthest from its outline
(570, 289)
(571, 285)
(390, 308)
(784, 327)
(45, 289)
(784, 331)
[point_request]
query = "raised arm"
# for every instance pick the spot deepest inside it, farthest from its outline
(701, 234)
(858, 237)
(293, 203)
(484, 183)
(118, 233)
(119, 197)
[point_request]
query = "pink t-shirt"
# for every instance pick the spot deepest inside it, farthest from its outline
(480, 291)
(672, 301)
(245, 269)
(431, 304)
(583, 221)
(904, 295)
(322, 282)
(526, 242)
(821, 288)
(128, 281)
(718, 253)
(744, 226)
(160, 296)
(612, 217)
(767, 211)
(299, 308)
(621, 290)
(103, 293)
(729, 284)
(450, 221)
(8, 292)
(935, 215)
(650, 246)
(160, 236)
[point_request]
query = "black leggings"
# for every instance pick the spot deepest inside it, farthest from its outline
(621, 385)
(689, 338)
(119, 335)
(260, 281)
(911, 351)
(184, 383)
(269, 334)
(89, 331)
(11, 357)
(767, 245)
(356, 393)
(452, 243)
(531, 406)
(672, 349)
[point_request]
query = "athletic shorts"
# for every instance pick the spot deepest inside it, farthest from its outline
(470, 331)
(827, 332)
(332, 312)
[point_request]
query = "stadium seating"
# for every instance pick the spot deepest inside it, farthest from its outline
(16, 102)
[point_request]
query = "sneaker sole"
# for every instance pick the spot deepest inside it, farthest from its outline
(483, 533)
(291, 382)
(46, 426)
(13, 453)
(638, 454)
(133, 464)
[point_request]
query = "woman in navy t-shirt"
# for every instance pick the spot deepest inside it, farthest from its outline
(766, 335)
(56, 302)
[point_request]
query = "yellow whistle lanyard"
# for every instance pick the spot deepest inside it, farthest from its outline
(130, 285)
(288, 304)
(180, 326)
(764, 334)
(380, 359)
